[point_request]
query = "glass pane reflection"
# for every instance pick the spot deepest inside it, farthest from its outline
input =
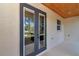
(42, 31)
(29, 32)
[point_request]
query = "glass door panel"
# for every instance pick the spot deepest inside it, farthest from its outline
(29, 33)
(42, 30)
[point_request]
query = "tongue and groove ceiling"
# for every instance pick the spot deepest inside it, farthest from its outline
(65, 10)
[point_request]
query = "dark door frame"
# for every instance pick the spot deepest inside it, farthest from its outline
(37, 11)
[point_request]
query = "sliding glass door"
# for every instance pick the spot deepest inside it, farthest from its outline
(32, 30)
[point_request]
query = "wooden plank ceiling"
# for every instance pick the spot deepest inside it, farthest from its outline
(64, 9)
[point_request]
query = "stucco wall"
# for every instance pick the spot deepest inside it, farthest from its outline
(71, 26)
(9, 29)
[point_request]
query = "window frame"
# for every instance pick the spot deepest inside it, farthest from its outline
(37, 11)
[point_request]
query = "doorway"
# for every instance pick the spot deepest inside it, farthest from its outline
(32, 30)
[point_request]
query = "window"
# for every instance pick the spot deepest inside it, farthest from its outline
(58, 25)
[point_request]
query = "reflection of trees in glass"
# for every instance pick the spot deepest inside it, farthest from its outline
(29, 23)
(27, 27)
